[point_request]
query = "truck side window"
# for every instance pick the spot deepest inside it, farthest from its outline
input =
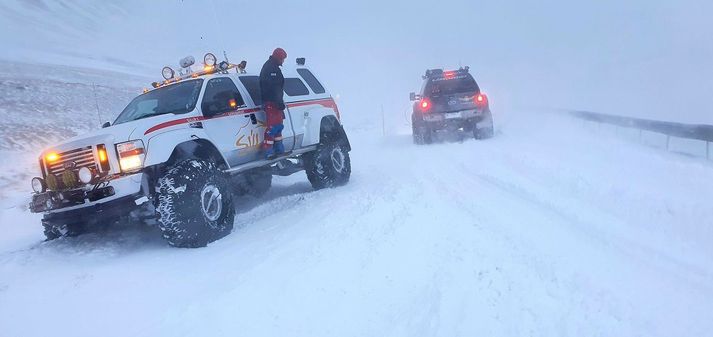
(221, 95)
(252, 83)
(311, 81)
(295, 87)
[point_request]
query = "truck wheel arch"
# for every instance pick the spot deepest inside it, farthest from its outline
(172, 146)
(331, 129)
(197, 149)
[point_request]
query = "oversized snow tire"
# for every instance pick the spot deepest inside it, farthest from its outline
(328, 166)
(195, 204)
(54, 230)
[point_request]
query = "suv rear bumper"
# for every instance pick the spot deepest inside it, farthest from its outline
(464, 119)
(455, 116)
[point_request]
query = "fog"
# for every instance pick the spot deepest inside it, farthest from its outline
(555, 226)
(641, 58)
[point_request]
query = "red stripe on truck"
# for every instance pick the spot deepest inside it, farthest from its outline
(327, 103)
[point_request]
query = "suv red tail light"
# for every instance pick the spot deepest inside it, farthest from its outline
(481, 100)
(425, 104)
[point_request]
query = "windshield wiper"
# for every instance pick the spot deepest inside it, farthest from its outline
(162, 113)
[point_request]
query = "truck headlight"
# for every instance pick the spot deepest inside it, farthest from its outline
(85, 175)
(38, 185)
(131, 155)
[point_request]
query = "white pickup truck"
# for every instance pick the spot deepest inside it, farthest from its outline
(178, 153)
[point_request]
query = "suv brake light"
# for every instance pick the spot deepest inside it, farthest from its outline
(425, 104)
(481, 100)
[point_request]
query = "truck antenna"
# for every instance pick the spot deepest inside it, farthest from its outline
(96, 102)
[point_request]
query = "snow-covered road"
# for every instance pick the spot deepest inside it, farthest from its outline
(542, 231)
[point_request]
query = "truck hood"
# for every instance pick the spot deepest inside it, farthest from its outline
(116, 133)
(109, 136)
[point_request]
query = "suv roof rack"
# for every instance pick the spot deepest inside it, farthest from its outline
(435, 73)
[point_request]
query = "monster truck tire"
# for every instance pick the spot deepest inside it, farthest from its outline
(55, 230)
(328, 166)
(194, 204)
(484, 128)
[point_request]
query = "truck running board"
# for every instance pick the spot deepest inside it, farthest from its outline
(287, 167)
(267, 162)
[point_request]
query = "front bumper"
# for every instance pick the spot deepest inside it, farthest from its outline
(53, 200)
(65, 201)
(100, 212)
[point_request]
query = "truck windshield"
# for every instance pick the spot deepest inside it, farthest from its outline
(448, 86)
(177, 98)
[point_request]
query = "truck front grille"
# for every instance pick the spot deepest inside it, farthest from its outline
(73, 160)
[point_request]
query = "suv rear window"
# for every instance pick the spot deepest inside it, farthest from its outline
(311, 81)
(447, 86)
(295, 87)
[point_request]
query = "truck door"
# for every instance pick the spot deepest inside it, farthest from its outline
(229, 121)
(252, 85)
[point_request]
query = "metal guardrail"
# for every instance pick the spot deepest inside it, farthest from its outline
(700, 132)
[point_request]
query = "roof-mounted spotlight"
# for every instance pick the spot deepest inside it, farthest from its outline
(167, 73)
(301, 61)
(209, 59)
(187, 62)
(242, 65)
(223, 66)
(155, 84)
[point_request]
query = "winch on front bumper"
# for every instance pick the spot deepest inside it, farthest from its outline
(52, 200)
(81, 198)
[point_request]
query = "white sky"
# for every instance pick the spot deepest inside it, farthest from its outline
(643, 58)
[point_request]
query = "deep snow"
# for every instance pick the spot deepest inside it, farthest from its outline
(554, 227)
(535, 232)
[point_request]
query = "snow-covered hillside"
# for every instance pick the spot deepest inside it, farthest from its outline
(638, 57)
(42, 104)
(535, 232)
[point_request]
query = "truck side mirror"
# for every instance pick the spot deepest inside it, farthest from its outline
(414, 97)
(106, 125)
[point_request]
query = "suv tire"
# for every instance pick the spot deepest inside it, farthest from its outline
(422, 134)
(194, 204)
(484, 128)
(328, 166)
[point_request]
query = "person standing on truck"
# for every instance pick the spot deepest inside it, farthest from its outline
(272, 88)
